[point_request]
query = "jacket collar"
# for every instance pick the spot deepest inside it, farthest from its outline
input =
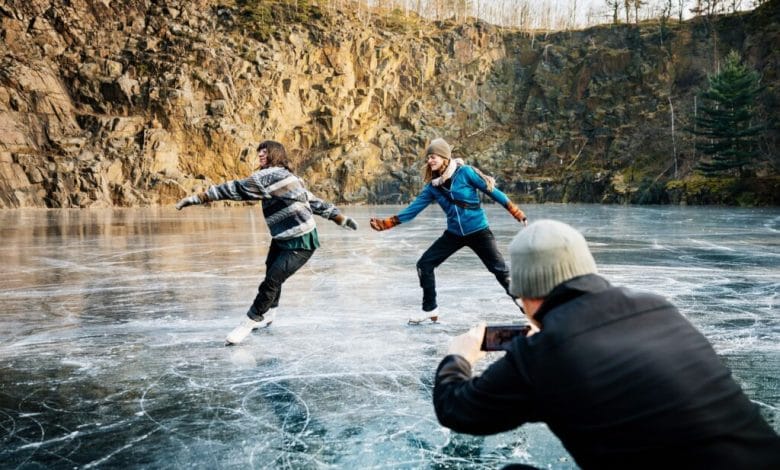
(448, 172)
(569, 290)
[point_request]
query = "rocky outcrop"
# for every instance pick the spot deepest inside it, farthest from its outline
(144, 101)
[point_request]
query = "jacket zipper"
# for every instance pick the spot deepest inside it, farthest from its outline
(457, 212)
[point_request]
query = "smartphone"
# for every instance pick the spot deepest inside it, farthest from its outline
(499, 336)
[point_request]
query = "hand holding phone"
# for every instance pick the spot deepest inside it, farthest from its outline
(467, 344)
(497, 337)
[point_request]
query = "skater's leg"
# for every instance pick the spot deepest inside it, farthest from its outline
(268, 266)
(281, 264)
(434, 256)
(483, 243)
(284, 265)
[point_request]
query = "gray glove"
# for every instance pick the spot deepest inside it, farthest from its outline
(346, 222)
(188, 201)
(349, 222)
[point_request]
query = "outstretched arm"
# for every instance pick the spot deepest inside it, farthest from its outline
(423, 200)
(330, 212)
(252, 188)
(498, 196)
(498, 400)
(384, 224)
(322, 208)
(517, 213)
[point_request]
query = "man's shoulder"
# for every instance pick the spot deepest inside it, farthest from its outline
(604, 304)
(638, 294)
(594, 285)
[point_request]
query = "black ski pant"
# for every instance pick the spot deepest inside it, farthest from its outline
(280, 264)
(483, 243)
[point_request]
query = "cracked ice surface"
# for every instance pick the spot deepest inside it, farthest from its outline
(112, 325)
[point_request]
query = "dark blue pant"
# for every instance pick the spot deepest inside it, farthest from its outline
(279, 265)
(483, 243)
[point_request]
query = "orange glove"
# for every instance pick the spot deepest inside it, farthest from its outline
(384, 224)
(517, 213)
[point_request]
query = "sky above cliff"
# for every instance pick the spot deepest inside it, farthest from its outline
(565, 14)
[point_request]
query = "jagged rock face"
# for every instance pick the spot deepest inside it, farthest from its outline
(144, 101)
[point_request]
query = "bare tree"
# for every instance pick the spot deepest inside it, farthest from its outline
(614, 7)
(681, 12)
(521, 15)
(666, 11)
(546, 17)
(674, 141)
(572, 15)
(735, 6)
(707, 7)
(637, 6)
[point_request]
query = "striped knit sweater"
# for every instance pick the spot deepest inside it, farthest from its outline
(288, 206)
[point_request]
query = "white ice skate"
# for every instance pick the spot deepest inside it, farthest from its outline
(240, 332)
(433, 316)
(268, 318)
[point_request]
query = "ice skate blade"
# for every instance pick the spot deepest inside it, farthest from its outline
(262, 325)
(418, 322)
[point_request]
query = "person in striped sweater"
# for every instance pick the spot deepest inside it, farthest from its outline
(288, 208)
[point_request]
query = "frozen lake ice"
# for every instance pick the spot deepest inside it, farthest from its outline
(112, 325)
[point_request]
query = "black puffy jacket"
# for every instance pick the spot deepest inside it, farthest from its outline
(623, 380)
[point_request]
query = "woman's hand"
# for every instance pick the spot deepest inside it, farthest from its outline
(384, 224)
(188, 201)
(517, 213)
(200, 198)
(346, 222)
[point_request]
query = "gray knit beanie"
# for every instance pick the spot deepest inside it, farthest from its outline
(545, 254)
(440, 147)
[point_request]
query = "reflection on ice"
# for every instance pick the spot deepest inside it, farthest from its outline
(112, 328)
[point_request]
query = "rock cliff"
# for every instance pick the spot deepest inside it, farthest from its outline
(140, 102)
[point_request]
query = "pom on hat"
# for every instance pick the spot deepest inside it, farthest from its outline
(440, 147)
(545, 254)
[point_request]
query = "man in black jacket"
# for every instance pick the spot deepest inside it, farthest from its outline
(620, 376)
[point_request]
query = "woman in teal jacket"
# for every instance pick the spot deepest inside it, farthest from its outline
(455, 186)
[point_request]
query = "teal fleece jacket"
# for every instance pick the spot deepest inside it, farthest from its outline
(462, 192)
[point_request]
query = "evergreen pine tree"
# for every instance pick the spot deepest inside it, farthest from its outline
(727, 120)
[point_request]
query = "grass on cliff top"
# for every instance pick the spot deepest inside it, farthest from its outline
(261, 18)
